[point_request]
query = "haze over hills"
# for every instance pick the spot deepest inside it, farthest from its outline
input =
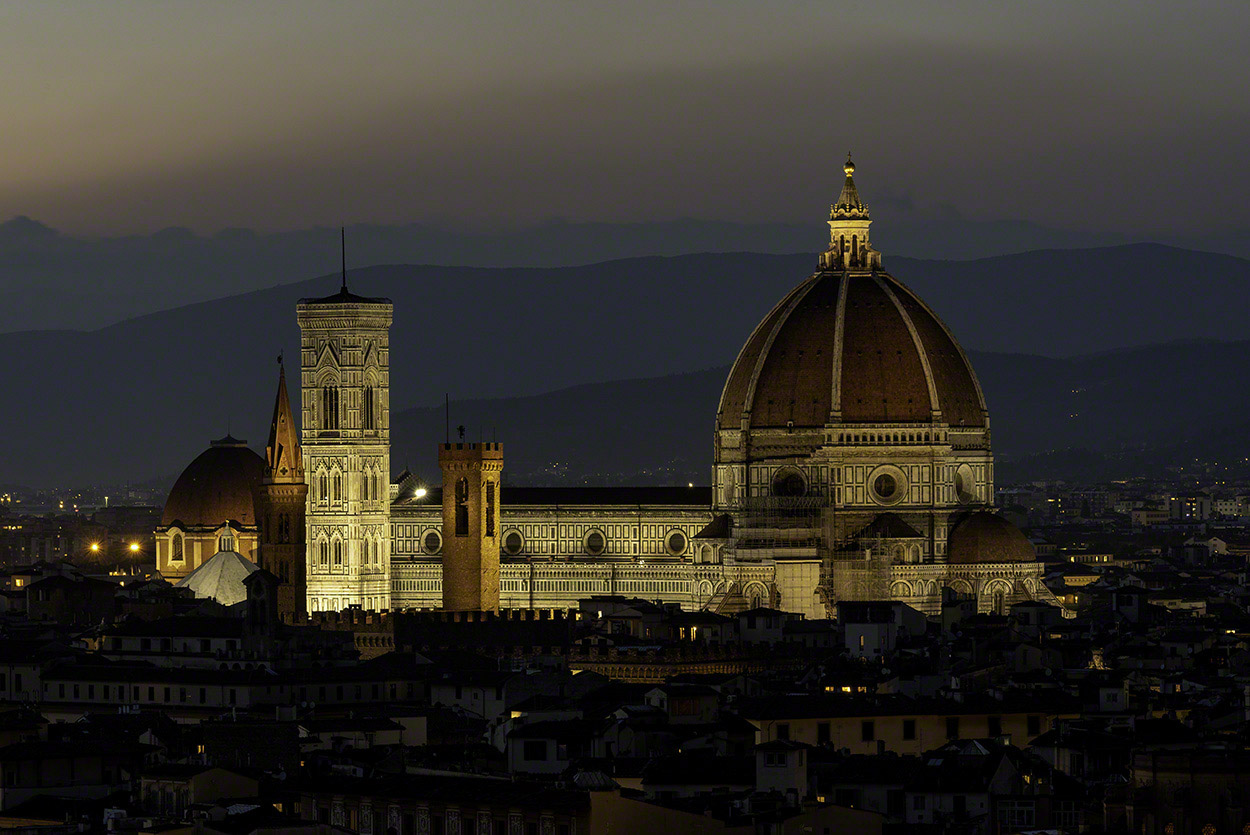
(188, 374)
(53, 280)
(1110, 415)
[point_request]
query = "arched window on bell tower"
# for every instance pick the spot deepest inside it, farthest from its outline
(330, 405)
(370, 408)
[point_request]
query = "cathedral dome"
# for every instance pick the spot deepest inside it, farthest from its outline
(216, 487)
(851, 348)
(851, 344)
(988, 537)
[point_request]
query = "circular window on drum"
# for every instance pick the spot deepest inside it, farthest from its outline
(432, 542)
(595, 543)
(965, 484)
(676, 542)
(513, 543)
(789, 483)
(887, 485)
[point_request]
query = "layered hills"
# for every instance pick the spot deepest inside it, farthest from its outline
(531, 355)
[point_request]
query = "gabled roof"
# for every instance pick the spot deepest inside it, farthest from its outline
(887, 526)
(719, 528)
(696, 499)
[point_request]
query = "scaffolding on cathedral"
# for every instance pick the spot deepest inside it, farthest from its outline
(769, 525)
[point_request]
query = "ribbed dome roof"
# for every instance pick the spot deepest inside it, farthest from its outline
(988, 537)
(861, 344)
(216, 487)
(221, 578)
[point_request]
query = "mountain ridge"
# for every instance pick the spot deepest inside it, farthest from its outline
(139, 398)
(52, 279)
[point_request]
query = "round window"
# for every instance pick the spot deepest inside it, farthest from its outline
(676, 543)
(789, 483)
(595, 543)
(513, 543)
(433, 542)
(965, 484)
(885, 486)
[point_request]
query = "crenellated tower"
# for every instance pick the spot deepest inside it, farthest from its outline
(345, 381)
(471, 474)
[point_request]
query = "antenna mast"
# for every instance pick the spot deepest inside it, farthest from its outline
(343, 253)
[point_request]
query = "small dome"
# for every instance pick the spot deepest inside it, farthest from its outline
(216, 487)
(987, 537)
(861, 345)
(221, 578)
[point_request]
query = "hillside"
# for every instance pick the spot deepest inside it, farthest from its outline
(53, 280)
(1113, 415)
(138, 399)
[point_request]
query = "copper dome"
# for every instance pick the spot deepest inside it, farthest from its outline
(987, 537)
(216, 487)
(853, 348)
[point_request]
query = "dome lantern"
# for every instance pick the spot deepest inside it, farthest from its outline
(849, 220)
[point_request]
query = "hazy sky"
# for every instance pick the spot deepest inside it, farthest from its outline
(128, 117)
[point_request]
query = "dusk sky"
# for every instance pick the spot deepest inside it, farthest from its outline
(129, 117)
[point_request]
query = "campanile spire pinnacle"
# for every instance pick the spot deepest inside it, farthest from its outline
(283, 461)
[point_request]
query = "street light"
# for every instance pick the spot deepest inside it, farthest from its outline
(95, 547)
(134, 547)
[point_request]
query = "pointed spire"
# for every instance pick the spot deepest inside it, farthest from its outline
(284, 462)
(849, 206)
(849, 248)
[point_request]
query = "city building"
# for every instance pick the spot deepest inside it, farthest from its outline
(852, 461)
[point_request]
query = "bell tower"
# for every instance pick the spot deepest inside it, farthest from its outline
(471, 525)
(346, 429)
(281, 502)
